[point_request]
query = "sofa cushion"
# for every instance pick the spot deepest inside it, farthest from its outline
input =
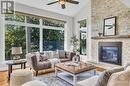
(61, 54)
(55, 54)
(44, 65)
(48, 54)
(104, 77)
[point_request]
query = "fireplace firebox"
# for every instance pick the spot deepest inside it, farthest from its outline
(110, 52)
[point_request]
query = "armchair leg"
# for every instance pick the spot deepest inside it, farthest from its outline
(36, 73)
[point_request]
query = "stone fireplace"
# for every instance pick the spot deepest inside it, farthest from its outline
(125, 51)
(106, 9)
(110, 52)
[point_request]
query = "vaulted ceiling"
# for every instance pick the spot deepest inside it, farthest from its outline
(71, 9)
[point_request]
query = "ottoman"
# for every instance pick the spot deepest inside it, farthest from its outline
(34, 83)
(19, 77)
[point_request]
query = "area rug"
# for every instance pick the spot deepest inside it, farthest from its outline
(52, 80)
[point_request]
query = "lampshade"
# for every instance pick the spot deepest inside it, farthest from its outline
(16, 50)
(62, 2)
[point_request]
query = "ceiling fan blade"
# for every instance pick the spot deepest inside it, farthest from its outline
(72, 1)
(63, 6)
(52, 2)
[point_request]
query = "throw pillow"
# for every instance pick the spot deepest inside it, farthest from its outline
(67, 54)
(43, 57)
(61, 54)
(46, 53)
(104, 77)
(55, 54)
(50, 54)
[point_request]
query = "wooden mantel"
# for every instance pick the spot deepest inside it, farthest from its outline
(112, 37)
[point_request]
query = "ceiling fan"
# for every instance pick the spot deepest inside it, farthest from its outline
(62, 2)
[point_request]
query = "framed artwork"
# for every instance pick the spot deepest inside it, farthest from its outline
(109, 28)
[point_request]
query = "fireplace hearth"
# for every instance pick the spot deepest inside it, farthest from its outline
(110, 52)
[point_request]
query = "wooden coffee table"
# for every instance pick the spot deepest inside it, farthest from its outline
(74, 70)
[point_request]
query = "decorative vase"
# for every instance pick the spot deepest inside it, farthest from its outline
(76, 59)
(100, 34)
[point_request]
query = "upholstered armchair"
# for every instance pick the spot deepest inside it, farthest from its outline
(116, 79)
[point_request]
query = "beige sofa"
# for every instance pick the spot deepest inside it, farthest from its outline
(116, 79)
(34, 61)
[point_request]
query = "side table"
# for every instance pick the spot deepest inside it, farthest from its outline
(11, 63)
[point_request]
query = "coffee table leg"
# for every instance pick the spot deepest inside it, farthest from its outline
(21, 66)
(56, 72)
(94, 71)
(24, 65)
(75, 80)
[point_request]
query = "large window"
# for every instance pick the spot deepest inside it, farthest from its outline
(53, 23)
(23, 30)
(32, 20)
(16, 17)
(83, 36)
(33, 39)
(53, 39)
(14, 36)
(83, 42)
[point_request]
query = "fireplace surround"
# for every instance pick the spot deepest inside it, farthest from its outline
(110, 52)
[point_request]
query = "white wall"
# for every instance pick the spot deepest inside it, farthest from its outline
(2, 46)
(85, 13)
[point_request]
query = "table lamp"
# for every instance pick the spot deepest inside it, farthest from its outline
(16, 51)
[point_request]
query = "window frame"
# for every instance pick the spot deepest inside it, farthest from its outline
(40, 26)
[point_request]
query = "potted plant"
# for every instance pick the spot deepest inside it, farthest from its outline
(74, 42)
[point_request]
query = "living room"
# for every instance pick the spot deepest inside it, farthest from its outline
(65, 43)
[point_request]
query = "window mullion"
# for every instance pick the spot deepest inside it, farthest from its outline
(41, 36)
(27, 37)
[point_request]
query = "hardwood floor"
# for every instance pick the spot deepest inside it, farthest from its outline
(3, 79)
(4, 75)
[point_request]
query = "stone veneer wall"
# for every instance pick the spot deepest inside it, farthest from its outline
(102, 9)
